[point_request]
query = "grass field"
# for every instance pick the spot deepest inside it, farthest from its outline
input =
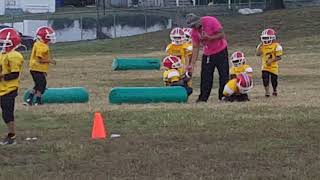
(276, 138)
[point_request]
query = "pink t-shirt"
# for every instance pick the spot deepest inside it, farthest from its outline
(211, 26)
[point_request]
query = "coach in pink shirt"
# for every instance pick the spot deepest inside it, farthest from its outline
(208, 32)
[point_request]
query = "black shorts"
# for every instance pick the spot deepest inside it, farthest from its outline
(40, 80)
(184, 83)
(7, 102)
(237, 98)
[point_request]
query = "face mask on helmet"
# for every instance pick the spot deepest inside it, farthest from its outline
(177, 36)
(4, 45)
(9, 40)
(237, 59)
(238, 62)
(188, 38)
(51, 37)
(187, 32)
(46, 34)
(177, 40)
(268, 36)
(267, 40)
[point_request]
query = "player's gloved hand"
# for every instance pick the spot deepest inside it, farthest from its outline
(188, 74)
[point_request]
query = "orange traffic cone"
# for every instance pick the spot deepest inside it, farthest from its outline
(98, 130)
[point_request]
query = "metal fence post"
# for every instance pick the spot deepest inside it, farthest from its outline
(114, 25)
(104, 7)
(81, 27)
(12, 21)
(98, 24)
(145, 22)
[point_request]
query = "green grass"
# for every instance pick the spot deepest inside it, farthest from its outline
(275, 138)
(143, 43)
(169, 144)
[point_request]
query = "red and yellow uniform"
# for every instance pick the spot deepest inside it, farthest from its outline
(10, 62)
(271, 52)
(172, 75)
(182, 51)
(40, 51)
(39, 63)
(245, 68)
(231, 88)
(175, 77)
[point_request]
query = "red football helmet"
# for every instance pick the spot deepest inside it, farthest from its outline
(172, 62)
(187, 33)
(238, 59)
(9, 40)
(177, 36)
(244, 83)
(268, 36)
(46, 34)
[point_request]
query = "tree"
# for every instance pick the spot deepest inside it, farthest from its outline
(277, 4)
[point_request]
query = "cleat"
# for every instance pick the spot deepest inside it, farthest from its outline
(28, 102)
(38, 104)
(9, 140)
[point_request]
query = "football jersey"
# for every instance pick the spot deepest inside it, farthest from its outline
(189, 47)
(231, 88)
(241, 69)
(9, 63)
(271, 51)
(40, 50)
(170, 76)
(174, 75)
(181, 51)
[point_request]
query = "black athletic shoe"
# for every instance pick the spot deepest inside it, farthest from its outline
(200, 101)
(28, 102)
(38, 104)
(9, 140)
(38, 101)
(275, 93)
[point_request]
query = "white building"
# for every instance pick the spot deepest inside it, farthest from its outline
(31, 6)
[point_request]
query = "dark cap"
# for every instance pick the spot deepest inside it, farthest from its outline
(192, 20)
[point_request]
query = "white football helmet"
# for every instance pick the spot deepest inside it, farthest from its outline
(268, 36)
(187, 33)
(238, 59)
(177, 36)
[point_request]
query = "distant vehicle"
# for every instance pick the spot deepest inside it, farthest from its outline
(26, 41)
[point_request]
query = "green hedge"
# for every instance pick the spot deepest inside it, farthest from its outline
(61, 23)
(78, 3)
(108, 21)
(132, 20)
(237, 1)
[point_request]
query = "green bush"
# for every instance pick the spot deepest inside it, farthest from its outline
(236, 1)
(78, 3)
(88, 23)
(133, 20)
(61, 23)
(106, 21)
